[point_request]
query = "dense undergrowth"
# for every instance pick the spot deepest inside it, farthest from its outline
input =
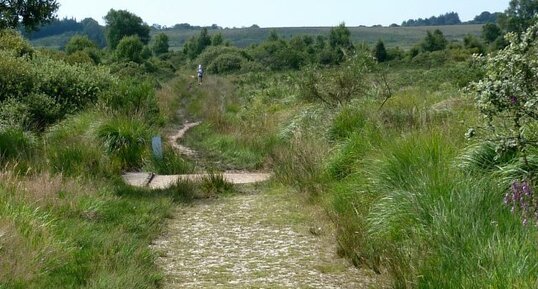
(67, 132)
(409, 193)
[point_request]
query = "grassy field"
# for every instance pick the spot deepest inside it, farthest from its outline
(404, 37)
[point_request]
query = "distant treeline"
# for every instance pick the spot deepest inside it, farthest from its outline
(452, 18)
(88, 27)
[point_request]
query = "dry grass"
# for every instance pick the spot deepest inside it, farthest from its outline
(18, 260)
(46, 190)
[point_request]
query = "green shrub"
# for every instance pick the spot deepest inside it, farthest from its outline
(348, 121)
(17, 77)
(72, 149)
(225, 63)
(172, 163)
(132, 97)
(215, 184)
(338, 86)
(126, 140)
(74, 87)
(130, 49)
(13, 42)
(14, 114)
(15, 144)
(79, 43)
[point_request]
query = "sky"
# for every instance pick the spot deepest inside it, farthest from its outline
(279, 13)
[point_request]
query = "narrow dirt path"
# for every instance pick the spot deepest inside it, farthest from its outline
(265, 238)
(160, 182)
(174, 139)
(260, 240)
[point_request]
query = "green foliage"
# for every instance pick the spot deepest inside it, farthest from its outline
(17, 76)
(217, 39)
(126, 140)
(196, 44)
(80, 49)
(215, 184)
(340, 85)
(519, 16)
(73, 87)
(340, 38)
(79, 43)
(122, 23)
(507, 95)
(172, 163)
(226, 63)
(434, 41)
(474, 44)
(277, 55)
(347, 122)
(380, 53)
(132, 97)
(72, 148)
(130, 48)
(27, 13)
(490, 32)
(12, 41)
(208, 57)
(94, 31)
(160, 44)
(15, 144)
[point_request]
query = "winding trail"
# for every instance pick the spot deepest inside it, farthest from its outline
(265, 238)
(154, 181)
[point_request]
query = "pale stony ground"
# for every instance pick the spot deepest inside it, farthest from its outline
(256, 240)
(265, 238)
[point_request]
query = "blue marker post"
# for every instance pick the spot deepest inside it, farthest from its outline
(157, 145)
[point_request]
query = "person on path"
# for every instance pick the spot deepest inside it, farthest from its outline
(200, 74)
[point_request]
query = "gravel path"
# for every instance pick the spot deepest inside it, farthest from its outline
(260, 240)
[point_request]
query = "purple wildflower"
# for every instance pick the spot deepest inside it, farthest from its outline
(513, 100)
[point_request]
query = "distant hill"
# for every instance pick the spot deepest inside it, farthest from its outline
(404, 37)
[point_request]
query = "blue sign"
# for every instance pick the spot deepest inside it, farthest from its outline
(157, 145)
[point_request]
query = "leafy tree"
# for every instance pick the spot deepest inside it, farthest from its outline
(490, 32)
(122, 23)
(84, 48)
(94, 31)
(434, 41)
(29, 13)
(340, 37)
(273, 36)
(160, 46)
(340, 42)
(380, 53)
(519, 15)
(485, 17)
(196, 44)
(79, 43)
(450, 18)
(130, 49)
(217, 39)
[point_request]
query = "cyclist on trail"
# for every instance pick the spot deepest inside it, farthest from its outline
(200, 74)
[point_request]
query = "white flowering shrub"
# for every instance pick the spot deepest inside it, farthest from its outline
(507, 97)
